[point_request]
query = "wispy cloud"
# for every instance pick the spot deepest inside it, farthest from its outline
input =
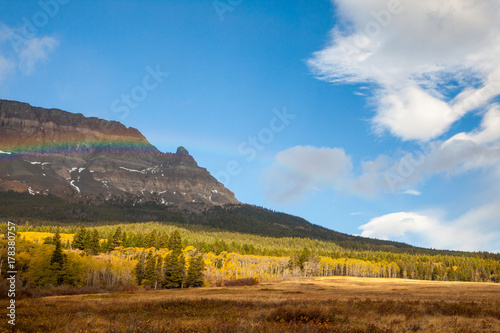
(477, 229)
(475, 150)
(356, 213)
(35, 50)
(412, 192)
(295, 169)
(303, 169)
(23, 54)
(411, 52)
(6, 66)
(431, 63)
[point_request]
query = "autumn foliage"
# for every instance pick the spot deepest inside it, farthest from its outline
(163, 256)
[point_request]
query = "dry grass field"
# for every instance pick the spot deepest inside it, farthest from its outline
(333, 304)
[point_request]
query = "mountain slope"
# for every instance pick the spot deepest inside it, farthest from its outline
(66, 168)
(70, 156)
(246, 219)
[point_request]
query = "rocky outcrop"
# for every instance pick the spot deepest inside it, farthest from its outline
(26, 128)
(74, 157)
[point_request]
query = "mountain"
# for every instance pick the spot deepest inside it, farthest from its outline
(66, 168)
(70, 156)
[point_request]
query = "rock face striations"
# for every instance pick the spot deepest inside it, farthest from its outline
(71, 156)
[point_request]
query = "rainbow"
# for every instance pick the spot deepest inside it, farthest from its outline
(78, 147)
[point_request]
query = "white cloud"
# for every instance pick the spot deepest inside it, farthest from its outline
(412, 51)
(302, 169)
(20, 53)
(431, 62)
(476, 150)
(397, 225)
(477, 230)
(413, 113)
(451, 158)
(295, 171)
(412, 192)
(419, 54)
(34, 51)
(460, 155)
(488, 132)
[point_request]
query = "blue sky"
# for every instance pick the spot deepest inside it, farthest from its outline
(377, 118)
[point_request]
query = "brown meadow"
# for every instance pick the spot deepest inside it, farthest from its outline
(333, 304)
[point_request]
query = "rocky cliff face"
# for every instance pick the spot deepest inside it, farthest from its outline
(46, 151)
(25, 127)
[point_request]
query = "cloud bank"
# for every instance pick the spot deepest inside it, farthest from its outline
(428, 63)
(472, 231)
(296, 170)
(431, 61)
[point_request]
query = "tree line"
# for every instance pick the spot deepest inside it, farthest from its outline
(88, 261)
(248, 219)
(163, 256)
(169, 271)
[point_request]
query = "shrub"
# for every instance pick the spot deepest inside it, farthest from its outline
(240, 282)
(301, 314)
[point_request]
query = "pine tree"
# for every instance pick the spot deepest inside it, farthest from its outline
(303, 257)
(169, 271)
(159, 272)
(107, 245)
(152, 239)
(175, 269)
(78, 240)
(175, 243)
(125, 240)
(181, 271)
(150, 270)
(175, 263)
(139, 272)
(57, 255)
(220, 246)
(162, 240)
(87, 242)
(117, 238)
(93, 245)
(195, 272)
(57, 260)
(48, 240)
(139, 240)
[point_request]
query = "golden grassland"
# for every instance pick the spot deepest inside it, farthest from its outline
(322, 304)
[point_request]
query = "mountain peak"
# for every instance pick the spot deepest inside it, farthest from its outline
(182, 151)
(77, 157)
